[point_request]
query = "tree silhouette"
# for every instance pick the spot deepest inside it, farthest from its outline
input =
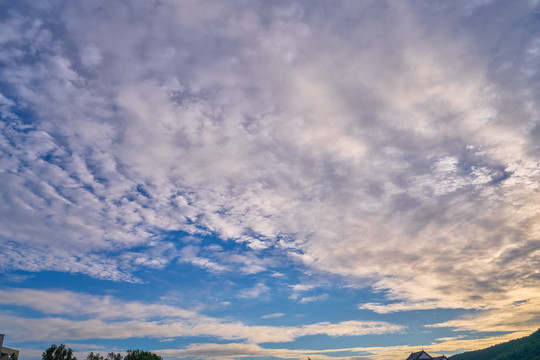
(93, 356)
(141, 355)
(114, 356)
(59, 352)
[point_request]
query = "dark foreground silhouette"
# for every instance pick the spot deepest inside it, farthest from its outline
(60, 352)
(526, 348)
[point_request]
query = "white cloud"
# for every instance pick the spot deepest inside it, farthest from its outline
(272, 316)
(254, 292)
(518, 316)
(298, 289)
(350, 147)
(91, 56)
(189, 254)
(63, 302)
(309, 299)
(302, 287)
(75, 316)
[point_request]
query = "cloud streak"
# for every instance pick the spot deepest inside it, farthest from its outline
(106, 317)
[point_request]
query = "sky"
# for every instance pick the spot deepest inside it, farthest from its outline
(251, 179)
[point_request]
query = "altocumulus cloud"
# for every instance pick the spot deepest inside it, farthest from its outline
(392, 143)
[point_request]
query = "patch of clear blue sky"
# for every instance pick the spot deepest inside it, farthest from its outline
(192, 287)
(188, 286)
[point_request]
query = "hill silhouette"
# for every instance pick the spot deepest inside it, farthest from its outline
(526, 348)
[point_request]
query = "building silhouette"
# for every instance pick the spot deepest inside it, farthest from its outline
(6, 353)
(422, 355)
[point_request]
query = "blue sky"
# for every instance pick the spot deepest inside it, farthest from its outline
(269, 179)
